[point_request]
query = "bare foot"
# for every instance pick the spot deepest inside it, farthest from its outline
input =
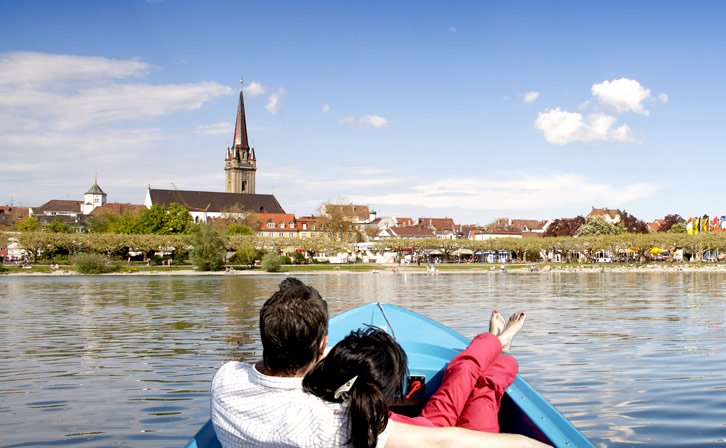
(496, 324)
(516, 322)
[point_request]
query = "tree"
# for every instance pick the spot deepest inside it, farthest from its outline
(163, 220)
(670, 221)
(58, 226)
(271, 262)
(631, 224)
(679, 227)
(208, 248)
(598, 225)
(29, 224)
(337, 223)
(246, 250)
(238, 229)
(565, 226)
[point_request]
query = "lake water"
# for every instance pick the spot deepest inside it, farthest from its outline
(632, 359)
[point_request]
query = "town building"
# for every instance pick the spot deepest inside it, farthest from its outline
(276, 225)
(205, 205)
(240, 165)
(94, 197)
(610, 215)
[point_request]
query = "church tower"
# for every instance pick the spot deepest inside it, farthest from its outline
(240, 165)
(95, 197)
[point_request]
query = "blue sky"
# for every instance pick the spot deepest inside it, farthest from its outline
(471, 110)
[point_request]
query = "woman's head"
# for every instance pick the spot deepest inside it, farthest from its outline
(379, 364)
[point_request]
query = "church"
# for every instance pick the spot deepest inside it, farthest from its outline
(240, 169)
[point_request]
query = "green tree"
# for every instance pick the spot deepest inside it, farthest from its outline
(271, 262)
(679, 227)
(58, 226)
(208, 249)
(246, 251)
(238, 229)
(598, 225)
(29, 224)
(162, 220)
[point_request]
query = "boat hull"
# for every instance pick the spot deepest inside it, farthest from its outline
(430, 346)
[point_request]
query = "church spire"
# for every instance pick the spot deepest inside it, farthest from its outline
(240, 128)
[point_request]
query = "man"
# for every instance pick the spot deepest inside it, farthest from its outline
(263, 405)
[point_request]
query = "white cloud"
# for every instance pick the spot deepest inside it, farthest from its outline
(72, 92)
(529, 97)
(517, 191)
(326, 108)
(274, 102)
(215, 129)
(452, 29)
(561, 127)
(622, 95)
(663, 97)
(375, 121)
(255, 88)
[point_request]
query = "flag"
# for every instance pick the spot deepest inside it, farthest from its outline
(715, 225)
(689, 226)
(723, 223)
(696, 225)
(704, 221)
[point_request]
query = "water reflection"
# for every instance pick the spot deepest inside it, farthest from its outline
(631, 359)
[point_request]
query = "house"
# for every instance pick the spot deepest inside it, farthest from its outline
(443, 228)
(118, 209)
(358, 214)
(204, 205)
(610, 215)
(276, 225)
(417, 232)
(69, 212)
(389, 221)
(11, 214)
(656, 225)
(307, 226)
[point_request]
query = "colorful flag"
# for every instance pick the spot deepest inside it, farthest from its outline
(689, 226)
(696, 225)
(715, 224)
(723, 223)
(704, 220)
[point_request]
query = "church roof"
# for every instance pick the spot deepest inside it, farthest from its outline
(95, 189)
(211, 201)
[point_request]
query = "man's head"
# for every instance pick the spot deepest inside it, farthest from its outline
(293, 328)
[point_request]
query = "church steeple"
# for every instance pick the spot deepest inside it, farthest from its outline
(240, 162)
(240, 128)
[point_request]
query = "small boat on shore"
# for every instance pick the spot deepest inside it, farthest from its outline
(430, 346)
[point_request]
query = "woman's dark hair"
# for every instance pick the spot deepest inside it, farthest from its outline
(380, 365)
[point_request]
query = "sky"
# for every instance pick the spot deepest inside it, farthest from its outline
(470, 110)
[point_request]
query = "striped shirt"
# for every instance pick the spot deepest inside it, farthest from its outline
(253, 410)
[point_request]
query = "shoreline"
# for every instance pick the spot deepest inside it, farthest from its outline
(388, 270)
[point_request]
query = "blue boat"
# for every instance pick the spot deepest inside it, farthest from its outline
(430, 346)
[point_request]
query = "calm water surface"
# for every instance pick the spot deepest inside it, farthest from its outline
(630, 359)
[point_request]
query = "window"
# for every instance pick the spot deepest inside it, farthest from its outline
(282, 224)
(270, 224)
(292, 225)
(305, 226)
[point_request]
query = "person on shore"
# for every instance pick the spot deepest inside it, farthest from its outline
(264, 405)
(375, 365)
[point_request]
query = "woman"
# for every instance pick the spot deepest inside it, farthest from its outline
(368, 367)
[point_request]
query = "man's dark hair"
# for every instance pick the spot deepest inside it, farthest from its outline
(293, 323)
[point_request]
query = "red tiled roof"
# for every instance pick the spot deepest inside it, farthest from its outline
(276, 219)
(438, 223)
